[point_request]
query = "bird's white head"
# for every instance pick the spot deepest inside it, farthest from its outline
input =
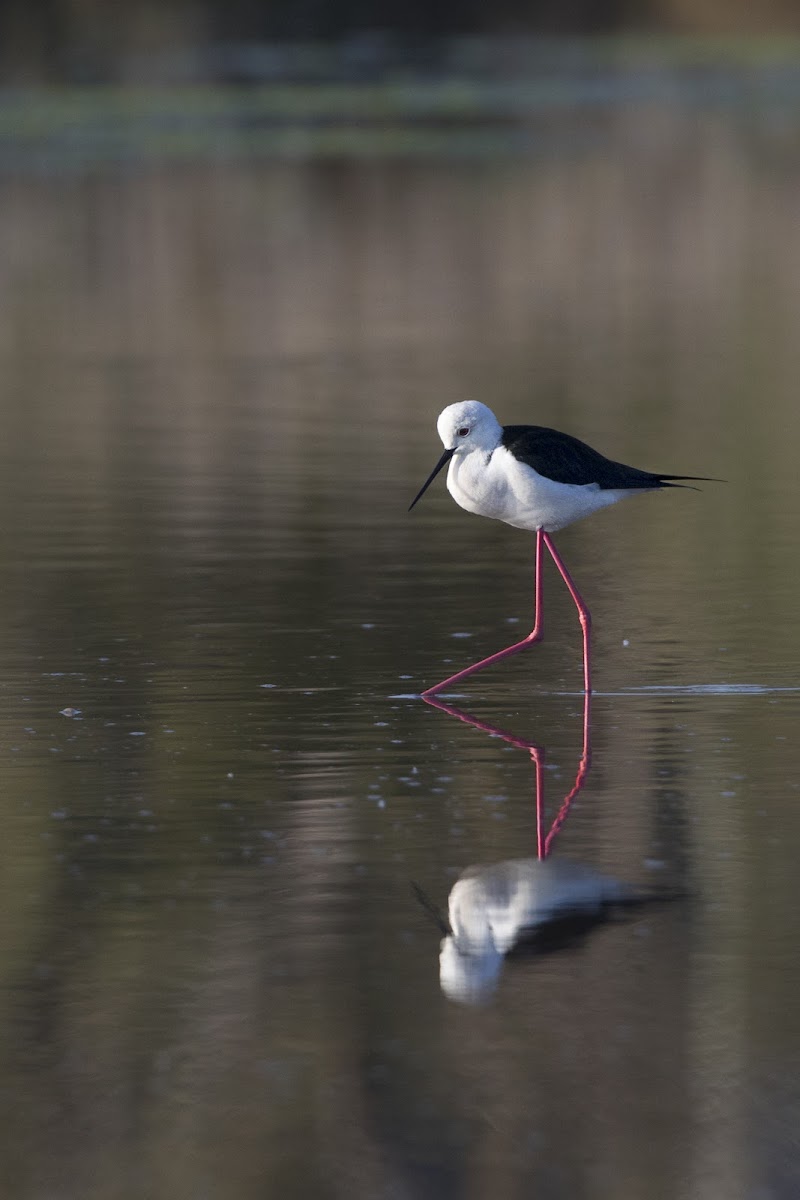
(463, 427)
(468, 425)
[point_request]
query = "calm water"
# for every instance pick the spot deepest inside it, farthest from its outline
(219, 392)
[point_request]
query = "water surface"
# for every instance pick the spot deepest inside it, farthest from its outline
(219, 392)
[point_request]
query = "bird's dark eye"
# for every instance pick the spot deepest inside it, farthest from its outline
(463, 431)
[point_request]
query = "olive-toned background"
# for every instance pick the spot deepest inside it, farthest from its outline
(221, 361)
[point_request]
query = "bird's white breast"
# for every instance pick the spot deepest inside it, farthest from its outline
(498, 485)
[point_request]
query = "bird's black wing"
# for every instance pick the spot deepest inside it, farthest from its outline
(566, 459)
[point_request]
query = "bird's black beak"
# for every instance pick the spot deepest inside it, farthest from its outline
(443, 461)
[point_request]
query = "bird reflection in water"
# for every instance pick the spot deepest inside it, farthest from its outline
(543, 903)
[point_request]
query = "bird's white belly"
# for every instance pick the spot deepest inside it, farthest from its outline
(507, 490)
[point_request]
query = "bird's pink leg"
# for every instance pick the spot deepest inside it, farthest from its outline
(534, 635)
(583, 612)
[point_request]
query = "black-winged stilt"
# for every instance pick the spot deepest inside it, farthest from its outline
(533, 478)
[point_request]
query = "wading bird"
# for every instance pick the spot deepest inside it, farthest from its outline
(533, 478)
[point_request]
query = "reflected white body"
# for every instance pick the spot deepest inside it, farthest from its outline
(485, 478)
(491, 907)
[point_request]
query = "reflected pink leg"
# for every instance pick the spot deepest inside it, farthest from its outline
(536, 633)
(545, 845)
(537, 757)
(544, 842)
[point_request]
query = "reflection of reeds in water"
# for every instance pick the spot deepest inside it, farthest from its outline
(643, 266)
(658, 221)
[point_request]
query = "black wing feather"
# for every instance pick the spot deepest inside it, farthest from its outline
(566, 459)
